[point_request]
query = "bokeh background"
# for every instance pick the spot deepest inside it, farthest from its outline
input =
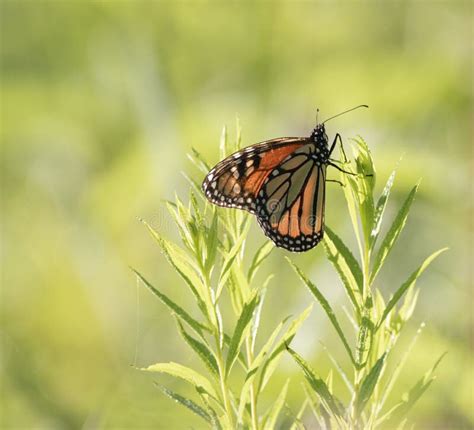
(101, 102)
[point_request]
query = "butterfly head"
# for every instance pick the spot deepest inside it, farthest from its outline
(319, 136)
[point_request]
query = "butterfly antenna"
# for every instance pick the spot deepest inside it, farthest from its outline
(317, 115)
(342, 113)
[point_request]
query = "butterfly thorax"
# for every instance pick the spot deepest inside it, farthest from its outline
(319, 140)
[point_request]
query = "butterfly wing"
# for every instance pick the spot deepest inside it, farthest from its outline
(290, 203)
(236, 181)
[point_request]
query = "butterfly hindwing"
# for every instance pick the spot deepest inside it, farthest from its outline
(290, 203)
(236, 180)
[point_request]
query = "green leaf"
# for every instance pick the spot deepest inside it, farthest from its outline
(229, 260)
(179, 261)
(368, 385)
(185, 373)
(380, 209)
(407, 284)
(271, 363)
(255, 366)
(238, 336)
(256, 319)
(396, 373)
(201, 350)
(198, 160)
(223, 143)
(195, 186)
(181, 224)
(271, 417)
(212, 242)
(188, 403)
(262, 253)
(326, 306)
(364, 338)
(392, 235)
(399, 411)
(364, 186)
(349, 189)
(332, 405)
(346, 265)
(340, 370)
(175, 308)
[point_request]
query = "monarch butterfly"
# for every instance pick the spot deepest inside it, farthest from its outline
(281, 181)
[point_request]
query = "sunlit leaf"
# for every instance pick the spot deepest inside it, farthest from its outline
(201, 350)
(333, 405)
(198, 161)
(185, 373)
(212, 242)
(238, 336)
(380, 209)
(326, 306)
(392, 235)
(188, 403)
(271, 362)
(229, 260)
(260, 256)
(346, 265)
(175, 308)
(368, 384)
(407, 284)
(270, 419)
(399, 411)
(392, 379)
(180, 263)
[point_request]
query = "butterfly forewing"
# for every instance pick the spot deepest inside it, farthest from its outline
(236, 181)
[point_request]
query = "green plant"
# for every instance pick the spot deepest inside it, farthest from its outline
(210, 261)
(377, 322)
(211, 264)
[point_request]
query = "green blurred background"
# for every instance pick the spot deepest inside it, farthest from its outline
(101, 101)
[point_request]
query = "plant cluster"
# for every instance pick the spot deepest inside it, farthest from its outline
(211, 263)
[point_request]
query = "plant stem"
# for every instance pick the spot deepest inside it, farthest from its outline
(253, 398)
(223, 384)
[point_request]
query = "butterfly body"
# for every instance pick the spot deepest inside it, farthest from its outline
(282, 182)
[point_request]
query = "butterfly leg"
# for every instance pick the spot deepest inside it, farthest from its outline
(335, 181)
(338, 136)
(342, 170)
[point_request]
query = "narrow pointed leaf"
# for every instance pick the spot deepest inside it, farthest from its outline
(318, 385)
(229, 260)
(188, 403)
(262, 253)
(179, 261)
(326, 306)
(270, 364)
(368, 385)
(256, 363)
(272, 416)
(392, 235)
(237, 338)
(399, 412)
(201, 350)
(346, 265)
(398, 368)
(185, 373)
(407, 284)
(380, 209)
(175, 308)
(199, 161)
(256, 319)
(212, 242)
